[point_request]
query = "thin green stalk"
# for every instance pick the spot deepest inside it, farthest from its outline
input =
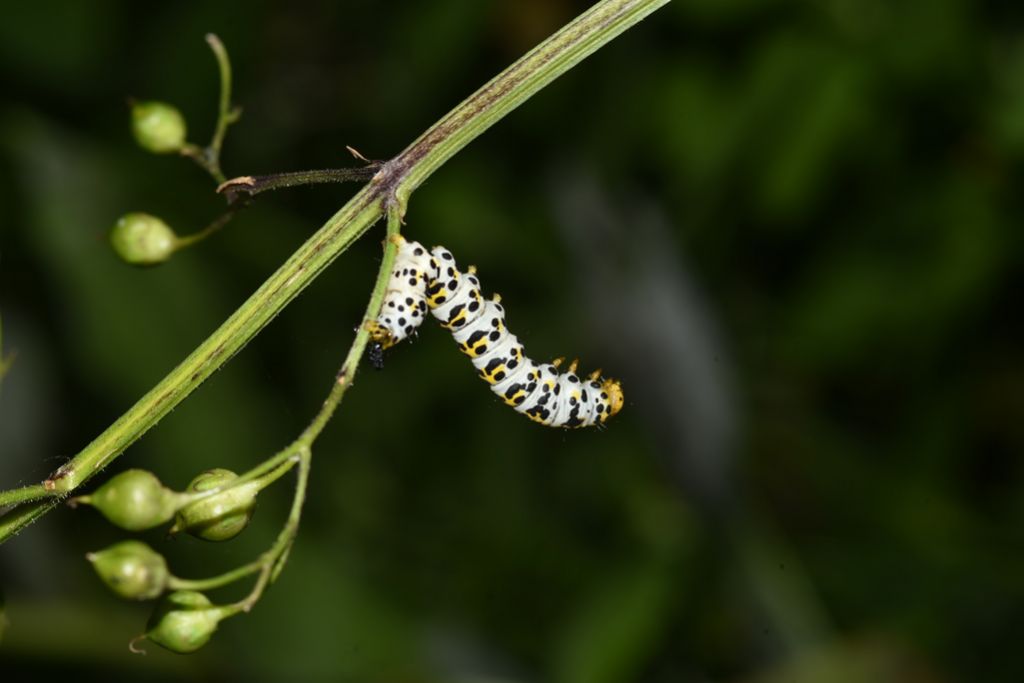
(268, 478)
(355, 353)
(390, 187)
(271, 469)
(209, 157)
(284, 540)
(225, 115)
(214, 227)
(175, 583)
(21, 495)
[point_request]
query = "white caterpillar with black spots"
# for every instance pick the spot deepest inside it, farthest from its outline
(425, 280)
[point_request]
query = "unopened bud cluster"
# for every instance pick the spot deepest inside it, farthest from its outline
(215, 506)
(139, 238)
(183, 620)
(136, 500)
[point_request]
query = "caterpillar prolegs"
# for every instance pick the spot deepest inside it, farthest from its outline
(425, 280)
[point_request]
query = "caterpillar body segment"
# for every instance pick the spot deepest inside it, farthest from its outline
(405, 302)
(423, 280)
(460, 305)
(482, 333)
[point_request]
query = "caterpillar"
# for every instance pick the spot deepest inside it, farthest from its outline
(423, 281)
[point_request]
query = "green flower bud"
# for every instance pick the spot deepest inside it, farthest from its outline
(142, 240)
(131, 569)
(221, 516)
(184, 621)
(158, 127)
(133, 500)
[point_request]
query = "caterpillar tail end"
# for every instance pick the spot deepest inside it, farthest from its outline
(616, 399)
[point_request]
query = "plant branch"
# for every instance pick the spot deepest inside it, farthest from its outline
(249, 185)
(550, 59)
(225, 114)
(285, 539)
(209, 157)
(214, 227)
(175, 583)
(347, 373)
(389, 188)
(21, 495)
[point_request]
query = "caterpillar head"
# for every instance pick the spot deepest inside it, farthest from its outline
(613, 388)
(380, 335)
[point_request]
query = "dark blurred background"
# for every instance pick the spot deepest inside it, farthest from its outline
(792, 228)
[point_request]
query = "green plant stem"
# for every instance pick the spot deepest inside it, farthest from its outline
(175, 583)
(268, 478)
(209, 157)
(225, 115)
(389, 188)
(21, 495)
(186, 241)
(550, 59)
(284, 539)
(347, 374)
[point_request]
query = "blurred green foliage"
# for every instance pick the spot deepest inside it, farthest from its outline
(842, 184)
